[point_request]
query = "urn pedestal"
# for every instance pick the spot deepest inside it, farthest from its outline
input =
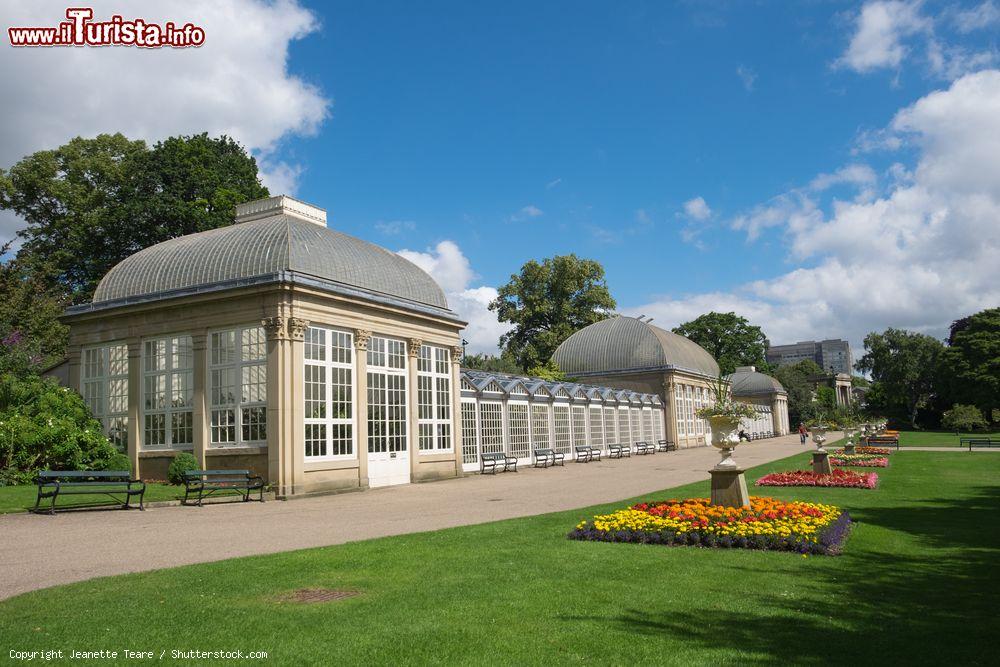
(729, 486)
(821, 462)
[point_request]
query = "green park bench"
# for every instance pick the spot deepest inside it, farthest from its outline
(205, 483)
(116, 484)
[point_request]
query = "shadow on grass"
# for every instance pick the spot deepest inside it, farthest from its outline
(938, 607)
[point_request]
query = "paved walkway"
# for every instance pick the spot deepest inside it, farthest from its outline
(41, 551)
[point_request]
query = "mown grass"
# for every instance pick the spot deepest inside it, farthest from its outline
(917, 584)
(938, 438)
(22, 497)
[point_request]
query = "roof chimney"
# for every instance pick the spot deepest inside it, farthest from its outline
(280, 205)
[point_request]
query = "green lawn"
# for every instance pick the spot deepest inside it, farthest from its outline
(917, 584)
(938, 438)
(20, 498)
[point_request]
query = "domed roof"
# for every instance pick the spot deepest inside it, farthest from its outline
(279, 239)
(746, 381)
(628, 343)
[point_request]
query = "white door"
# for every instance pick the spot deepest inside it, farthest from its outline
(388, 450)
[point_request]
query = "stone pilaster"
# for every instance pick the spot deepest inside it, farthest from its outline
(456, 407)
(201, 410)
(413, 353)
(134, 430)
(285, 426)
(361, 338)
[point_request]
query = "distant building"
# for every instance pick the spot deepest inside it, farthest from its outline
(832, 355)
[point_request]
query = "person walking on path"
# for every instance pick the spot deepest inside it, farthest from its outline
(802, 433)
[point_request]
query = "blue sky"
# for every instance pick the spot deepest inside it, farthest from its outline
(710, 155)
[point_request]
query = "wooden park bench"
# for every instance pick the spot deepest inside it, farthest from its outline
(112, 483)
(545, 457)
(587, 453)
(644, 447)
(494, 461)
(208, 482)
(666, 446)
(979, 442)
(618, 451)
(883, 441)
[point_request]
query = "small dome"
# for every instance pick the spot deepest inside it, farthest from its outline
(746, 381)
(628, 343)
(273, 246)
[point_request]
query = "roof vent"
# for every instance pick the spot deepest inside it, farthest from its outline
(280, 205)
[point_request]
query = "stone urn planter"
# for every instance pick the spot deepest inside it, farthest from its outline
(821, 458)
(850, 433)
(725, 437)
(729, 486)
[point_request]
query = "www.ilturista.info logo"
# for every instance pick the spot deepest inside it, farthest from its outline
(80, 30)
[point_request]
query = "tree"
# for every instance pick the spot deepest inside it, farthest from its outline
(795, 378)
(963, 418)
(489, 362)
(728, 337)
(970, 365)
(93, 202)
(903, 367)
(547, 302)
(548, 371)
(31, 335)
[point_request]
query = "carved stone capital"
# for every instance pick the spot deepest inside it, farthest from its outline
(297, 328)
(361, 338)
(413, 349)
(274, 327)
(456, 354)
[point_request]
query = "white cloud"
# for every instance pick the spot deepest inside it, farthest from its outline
(985, 15)
(526, 213)
(237, 83)
(880, 30)
(446, 263)
(747, 76)
(919, 255)
(395, 227)
(552, 184)
(697, 209)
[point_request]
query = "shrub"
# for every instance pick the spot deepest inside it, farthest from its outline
(963, 418)
(117, 461)
(46, 427)
(180, 465)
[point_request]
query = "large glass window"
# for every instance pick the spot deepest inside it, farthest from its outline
(689, 409)
(168, 393)
(679, 411)
(104, 386)
(596, 426)
(658, 424)
(624, 430)
(579, 425)
(540, 426)
(635, 422)
(518, 428)
(609, 426)
(647, 425)
(562, 435)
(470, 450)
(491, 427)
(434, 398)
(329, 393)
(386, 395)
(237, 370)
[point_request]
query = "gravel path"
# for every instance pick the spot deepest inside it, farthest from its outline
(42, 551)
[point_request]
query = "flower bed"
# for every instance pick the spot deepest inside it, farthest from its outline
(865, 449)
(841, 478)
(859, 460)
(768, 523)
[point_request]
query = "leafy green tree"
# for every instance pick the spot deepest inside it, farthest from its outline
(92, 202)
(489, 362)
(31, 335)
(547, 302)
(548, 371)
(795, 378)
(969, 370)
(730, 338)
(903, 367)
(963, 419)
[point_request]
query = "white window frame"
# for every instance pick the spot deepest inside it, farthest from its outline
(579, 426)
(518, 432)
(333, 427)
(596, 425)
(491, 427)
(391, 363)
(647, 425)
(610, 425)
(541, 415)
(237, 403)
(567, 447)
(470, 432)
(434, 367)
(624, 425)
(103, 384)
(172, 372)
